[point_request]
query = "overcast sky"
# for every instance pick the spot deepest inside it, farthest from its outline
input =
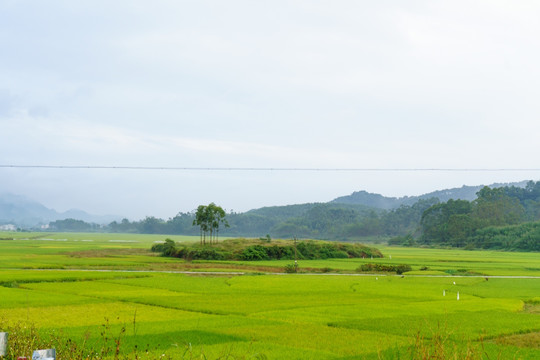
(264, 84)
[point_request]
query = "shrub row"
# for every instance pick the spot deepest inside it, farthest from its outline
(305, 250)
(398, 269)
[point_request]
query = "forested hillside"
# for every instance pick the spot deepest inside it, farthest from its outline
(319, 221)
(500, 217)
(351, 217)
(383, 202)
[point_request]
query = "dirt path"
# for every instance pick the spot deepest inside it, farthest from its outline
(238, 273)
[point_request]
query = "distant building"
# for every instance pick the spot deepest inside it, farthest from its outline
(8, 227)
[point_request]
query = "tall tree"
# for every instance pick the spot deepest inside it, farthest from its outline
(209, 218)
(216, 214)
(201, 220)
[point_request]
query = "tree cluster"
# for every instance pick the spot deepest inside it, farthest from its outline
(73, 225)
(208, 218)
(495, 214)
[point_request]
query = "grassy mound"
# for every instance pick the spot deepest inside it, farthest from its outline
(257, 249)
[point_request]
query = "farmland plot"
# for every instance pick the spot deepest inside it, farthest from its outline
(158, 315)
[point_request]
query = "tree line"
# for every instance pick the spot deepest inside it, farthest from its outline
(458, 223)
(328, 221)
(500, 218)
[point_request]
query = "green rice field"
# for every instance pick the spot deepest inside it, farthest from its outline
(108, 291)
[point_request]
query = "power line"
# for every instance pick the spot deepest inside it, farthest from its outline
(297, 169)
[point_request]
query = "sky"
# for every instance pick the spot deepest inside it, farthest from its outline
(303, 84)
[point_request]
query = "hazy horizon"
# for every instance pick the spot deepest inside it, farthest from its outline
(8, 194)
(239, 84)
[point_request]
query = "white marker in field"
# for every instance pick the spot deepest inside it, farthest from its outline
(458, 295)
(3, 343)
(47, 354)
(444, 293)
(454, 283)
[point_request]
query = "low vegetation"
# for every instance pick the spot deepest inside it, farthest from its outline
(381, 268)
(125, 314)
(265, 249)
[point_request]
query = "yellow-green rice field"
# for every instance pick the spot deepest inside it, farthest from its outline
(92, 298)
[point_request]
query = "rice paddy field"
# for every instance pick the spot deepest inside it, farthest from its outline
(106, 296)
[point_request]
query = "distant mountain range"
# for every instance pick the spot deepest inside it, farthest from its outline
(21, 211)
(388, 203)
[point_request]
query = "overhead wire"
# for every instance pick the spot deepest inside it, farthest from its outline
(297, 169)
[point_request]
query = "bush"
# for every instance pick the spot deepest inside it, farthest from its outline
(266, 238)
(202, 254)
(398, 269)
(280, 252)
(290, 268)
(255, 252)
(166, 249)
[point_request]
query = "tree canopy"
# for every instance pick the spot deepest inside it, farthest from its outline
(499, 218)
(209, 218)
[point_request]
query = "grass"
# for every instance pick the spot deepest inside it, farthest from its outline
(143, 315)
(131, 251)
(529, 340)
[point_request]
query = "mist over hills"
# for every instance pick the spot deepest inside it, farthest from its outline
(24, 212)
(21, 211)
(387, 203)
